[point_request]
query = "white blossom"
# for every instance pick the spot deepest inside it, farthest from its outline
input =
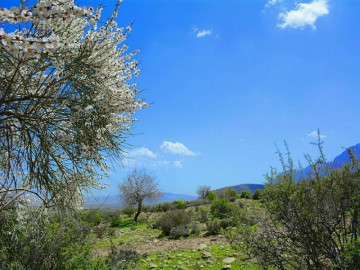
(65, 99)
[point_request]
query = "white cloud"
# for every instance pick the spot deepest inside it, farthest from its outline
(130, 163)
(162, 163)
(176, 148)
(177, 164)
(314, 134)
(272, 3)
(304, 14)
(142, 152)
(202, 33)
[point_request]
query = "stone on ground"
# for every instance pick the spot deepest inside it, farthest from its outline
(206, 255)
(202, 246)
(229, 260)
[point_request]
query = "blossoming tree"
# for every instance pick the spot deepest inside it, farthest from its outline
(65, 99)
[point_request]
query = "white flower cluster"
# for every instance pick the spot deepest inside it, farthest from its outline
(64, 83)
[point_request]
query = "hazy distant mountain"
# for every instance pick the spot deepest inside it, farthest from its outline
(240, 188)
(344, 157)
(338, 161)
(113, 201)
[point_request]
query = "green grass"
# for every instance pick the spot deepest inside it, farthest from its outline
(127, 223)
(129, 237)
(192, 259)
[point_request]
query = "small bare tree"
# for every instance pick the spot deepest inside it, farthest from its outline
(138, 186)
(203, 191)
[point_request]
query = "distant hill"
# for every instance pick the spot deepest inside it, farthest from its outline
(240, 188)
(344, 157)
(338, 162)
(113, 201)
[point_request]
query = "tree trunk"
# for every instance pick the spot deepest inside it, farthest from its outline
(138, 211)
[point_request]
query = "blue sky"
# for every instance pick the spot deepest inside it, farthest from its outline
(227, 80)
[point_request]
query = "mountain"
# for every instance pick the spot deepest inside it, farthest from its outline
(113, 201)
(344, 157)
(240, 188)
(338, 162)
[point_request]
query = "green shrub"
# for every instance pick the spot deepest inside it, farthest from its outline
(351, 256)
(110, 232)
(196, 203)
(231, 194)
(156, 208)
(213, 227)
(93, 217)
(115, 222)
(146, 208)
(128, 210)
(179, 231)
(221, 208)
(203, 214)
(257, 194)
(203, 217)
(227, 222)
(211, 196)
(100, 230)
(167, 206)
(30, 239)
(195, 229)
(308, 221)
(108, 215)
(245, 194)
(122, 259)
(171, 219)
(179, 204)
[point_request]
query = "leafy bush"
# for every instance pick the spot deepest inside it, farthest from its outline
(203, 217)
(244, 215)
(257, 194)
(351, 256)
(221, 208)
(227, 222)
(179, 231)
(115, 222)
(100, 230)
(231, 194)
(195, 229)
(167, 206)
(310, 221)
(211, 196)
(92, 217)
(30, 239)
(108, 215)
(171, 219)
(245, 194)
(128, 210)
(146, 208)
(110, 232)
(179, 204)
(122, 259)
(196, 203)
(156, 208)
(213, 227)
(162, 207)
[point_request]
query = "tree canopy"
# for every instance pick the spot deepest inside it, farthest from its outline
(65, 99)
